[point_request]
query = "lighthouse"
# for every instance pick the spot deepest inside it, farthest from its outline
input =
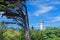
(41, 24)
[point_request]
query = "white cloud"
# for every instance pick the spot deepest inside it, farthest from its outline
(43, 6)
(56, 2)
(56, 19)
(43, 2)
(33, 2)
(43, 9)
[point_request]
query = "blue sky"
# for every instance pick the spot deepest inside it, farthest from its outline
(47, 10)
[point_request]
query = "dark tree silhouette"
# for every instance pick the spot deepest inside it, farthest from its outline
(16, 11)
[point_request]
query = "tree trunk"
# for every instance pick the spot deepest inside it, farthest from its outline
(27, 36)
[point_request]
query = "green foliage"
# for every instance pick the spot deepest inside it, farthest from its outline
(1, 35)
(1, 0)
(11, 34)
(10, 5)
(2, 7)
(57, 38)
(2, 30)
(46, 34)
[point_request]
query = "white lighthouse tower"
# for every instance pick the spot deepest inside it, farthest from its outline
(41, 24)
